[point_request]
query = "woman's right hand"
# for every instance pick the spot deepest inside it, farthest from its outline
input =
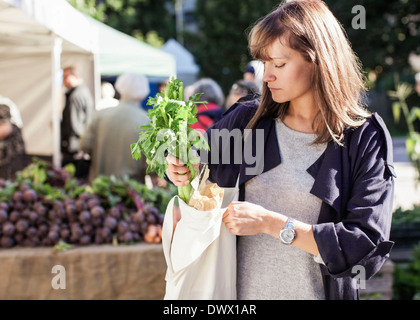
(177, 171)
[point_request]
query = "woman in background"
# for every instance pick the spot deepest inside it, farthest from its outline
(12, 146)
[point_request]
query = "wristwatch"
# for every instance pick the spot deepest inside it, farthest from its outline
(287, 234)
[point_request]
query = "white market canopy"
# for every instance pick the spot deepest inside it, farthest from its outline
(119, 53)
(38, 38)
(185, 62)
(186, 68)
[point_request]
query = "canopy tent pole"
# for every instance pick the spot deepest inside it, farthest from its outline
(56, 82)
(96, 78)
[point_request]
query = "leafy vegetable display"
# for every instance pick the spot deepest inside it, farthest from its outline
(169, 132)
(44, 206)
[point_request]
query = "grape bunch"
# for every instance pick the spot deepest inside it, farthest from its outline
(30, 219)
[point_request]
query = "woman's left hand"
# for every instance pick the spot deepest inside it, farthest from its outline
(245, 218)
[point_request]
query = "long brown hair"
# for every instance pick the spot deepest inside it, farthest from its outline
(309, 27)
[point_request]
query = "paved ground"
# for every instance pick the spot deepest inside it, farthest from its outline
(407, 193)
(400, 154)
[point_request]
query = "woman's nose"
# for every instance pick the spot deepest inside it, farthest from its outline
(268, 75)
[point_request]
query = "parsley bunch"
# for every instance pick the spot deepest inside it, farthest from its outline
(169, 132)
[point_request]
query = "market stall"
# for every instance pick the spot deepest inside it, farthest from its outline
(120, 53)
(38, 39)
(61, 239)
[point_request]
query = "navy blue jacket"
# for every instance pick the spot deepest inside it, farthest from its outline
(355, 183)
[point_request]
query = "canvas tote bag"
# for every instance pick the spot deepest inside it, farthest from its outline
(200, 253)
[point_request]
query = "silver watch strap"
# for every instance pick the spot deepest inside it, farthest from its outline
(290, 224)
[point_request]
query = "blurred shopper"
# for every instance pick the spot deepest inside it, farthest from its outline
(16, 118)
(12, 146)
(249, 73)
(77, 114)
(209, 113)
(241, 88)
(107, 96)
(108, 138)
(162, 85)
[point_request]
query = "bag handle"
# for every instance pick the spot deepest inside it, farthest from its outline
(204, 175)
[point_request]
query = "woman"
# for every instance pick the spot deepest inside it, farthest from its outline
(12, 146)
(318, 213)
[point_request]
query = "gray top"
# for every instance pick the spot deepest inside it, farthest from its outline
(267, 268)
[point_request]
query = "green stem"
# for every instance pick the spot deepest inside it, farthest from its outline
(181, 92)
(185, 192)
(165, 118)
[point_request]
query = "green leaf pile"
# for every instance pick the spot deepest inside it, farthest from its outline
(169, 132)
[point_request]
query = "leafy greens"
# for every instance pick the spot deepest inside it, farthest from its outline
(169, 132)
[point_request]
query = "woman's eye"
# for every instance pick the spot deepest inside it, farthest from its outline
(280, 66)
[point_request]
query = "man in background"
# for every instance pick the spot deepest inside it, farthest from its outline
(77, 114)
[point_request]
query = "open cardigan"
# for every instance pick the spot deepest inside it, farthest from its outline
(355, 183)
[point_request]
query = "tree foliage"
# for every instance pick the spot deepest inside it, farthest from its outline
(221, 45)
(147, 20)
(392, 32)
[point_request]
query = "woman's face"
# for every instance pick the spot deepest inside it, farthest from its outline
(287, 74)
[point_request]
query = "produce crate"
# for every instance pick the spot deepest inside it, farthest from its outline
(97, 272)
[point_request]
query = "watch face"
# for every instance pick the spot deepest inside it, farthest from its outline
(287, 236)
